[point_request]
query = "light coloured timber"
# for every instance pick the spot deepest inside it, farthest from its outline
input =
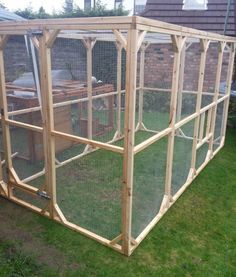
(213, 112)
(178, 44)
(93, 143)
(89, 44)
(119, 48)
(202, 125)
(141, 85)
(64, 103)
(129, 131)
(4, 161)
(204, 47)
(181, 84)
(48, 119)
(4, 114)
(228, 89)
(120, 38)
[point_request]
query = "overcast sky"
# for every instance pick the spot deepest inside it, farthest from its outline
(50, 5)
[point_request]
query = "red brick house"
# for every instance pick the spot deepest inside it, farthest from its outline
(207, 15)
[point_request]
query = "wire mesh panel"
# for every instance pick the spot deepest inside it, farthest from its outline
(210, 74)
(22, 95)
(201, 156)
(224, 72)
(218, 125)
(69, 82)
(155, 64)
(89, 192)
(182, 156)
(21, 82)
(105, 71)
(86, 81)
(27, 152)
(188, 75)
(149, 184)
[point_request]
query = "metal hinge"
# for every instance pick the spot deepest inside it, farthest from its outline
(43, 195)
(35, 33)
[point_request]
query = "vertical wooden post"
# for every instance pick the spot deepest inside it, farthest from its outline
(181, 84)
(89, 44)
(4, 114)
(119, 80)
(178, 44)
(48, 119)
(227, 91)
(141, 85)
(213, 111)
(204, 44)
(128, 161)
(202, 126)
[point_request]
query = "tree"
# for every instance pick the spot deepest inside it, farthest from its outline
(68, 7)
(2, 6)
(71, 10)
(27, 13)
(42, 13)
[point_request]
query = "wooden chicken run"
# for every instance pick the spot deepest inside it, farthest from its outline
(108, 156)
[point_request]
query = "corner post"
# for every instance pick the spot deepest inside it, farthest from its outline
(128, 158)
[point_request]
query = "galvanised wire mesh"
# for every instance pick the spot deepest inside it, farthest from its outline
(149, 184)
(158, 66)
(89, 181)
(26, 145)
(182, 155)
(89, 192)
(188, 87)
(150, 163)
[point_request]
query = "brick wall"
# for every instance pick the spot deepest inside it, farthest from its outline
(159, 66)
(66, 54)
(71, 54)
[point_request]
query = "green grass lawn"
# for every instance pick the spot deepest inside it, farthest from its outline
(197, 236)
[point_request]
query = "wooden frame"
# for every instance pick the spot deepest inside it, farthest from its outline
(130, 34)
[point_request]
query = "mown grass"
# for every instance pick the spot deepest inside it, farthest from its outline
(197, 237)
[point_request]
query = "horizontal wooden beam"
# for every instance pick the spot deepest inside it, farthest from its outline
(24, 125)
(178, 125)
(93, 143)
(61, 104)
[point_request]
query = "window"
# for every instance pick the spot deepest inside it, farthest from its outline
(139, 6)
(195, 5)
(118, 4)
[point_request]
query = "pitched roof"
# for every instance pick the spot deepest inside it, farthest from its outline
(212, 19)
(5, 15)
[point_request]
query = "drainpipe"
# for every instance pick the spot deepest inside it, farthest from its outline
(227, 16)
